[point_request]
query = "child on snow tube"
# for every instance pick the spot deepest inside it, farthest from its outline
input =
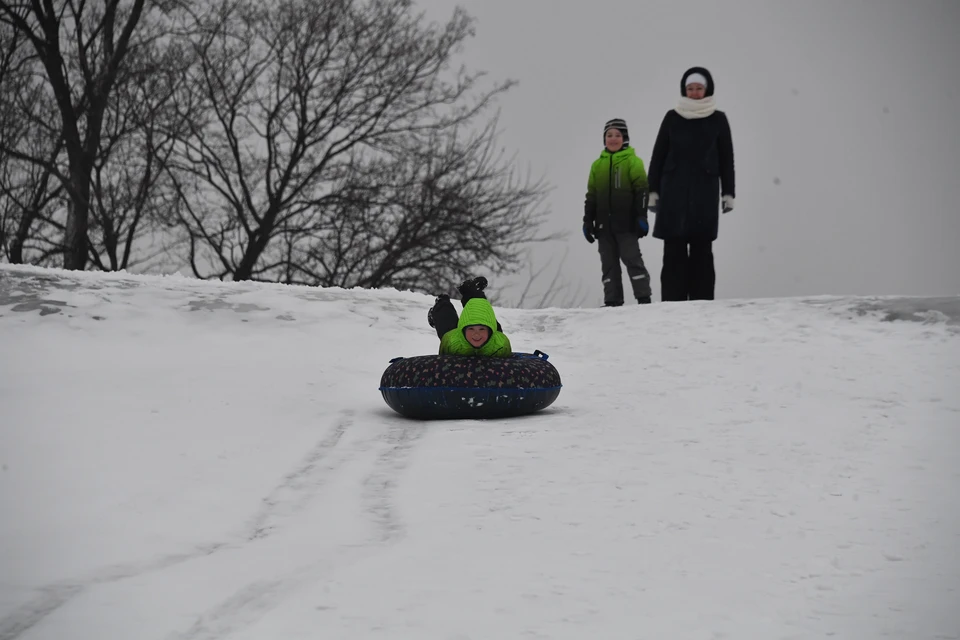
(476, 332)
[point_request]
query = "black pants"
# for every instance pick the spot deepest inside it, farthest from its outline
(614, 249)
(688, 272)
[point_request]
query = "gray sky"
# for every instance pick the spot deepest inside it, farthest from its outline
(844, 116)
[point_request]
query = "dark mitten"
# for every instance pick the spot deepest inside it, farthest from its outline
(643, 226)
(588, 232)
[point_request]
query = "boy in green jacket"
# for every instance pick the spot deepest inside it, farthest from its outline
(476, 332)
(615, 214)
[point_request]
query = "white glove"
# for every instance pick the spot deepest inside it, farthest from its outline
(727, 204)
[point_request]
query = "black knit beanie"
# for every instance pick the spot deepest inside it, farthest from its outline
(619, 124)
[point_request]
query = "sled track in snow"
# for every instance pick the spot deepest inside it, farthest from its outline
(26, 617)
(294, 490)
(54, 596)
(301, 484)
(249, 604)
(242, 608)
(378, 486)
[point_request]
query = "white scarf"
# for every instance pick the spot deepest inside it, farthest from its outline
(690, 109)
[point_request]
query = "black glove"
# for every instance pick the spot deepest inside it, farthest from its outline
(643, 226)
(588, 232)
(472, 288)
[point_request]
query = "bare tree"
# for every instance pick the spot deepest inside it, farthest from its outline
(549, 295)
(30, 196)
(307, 117)
(92, 39)
(31, 210)
(128, 177)
(438, 209)
(101, 96)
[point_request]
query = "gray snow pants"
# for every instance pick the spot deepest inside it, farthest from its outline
(613, 249)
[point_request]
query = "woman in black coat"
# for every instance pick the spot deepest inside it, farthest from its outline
(691, 167)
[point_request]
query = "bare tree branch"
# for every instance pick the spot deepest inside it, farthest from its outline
(548, 296)
(29, 148)
(438, 211)
(289, 99)
(81, 49)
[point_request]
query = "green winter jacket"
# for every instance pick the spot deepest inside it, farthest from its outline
(476, 311)
(616, 192)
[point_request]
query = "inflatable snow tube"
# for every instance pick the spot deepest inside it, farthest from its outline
(457, 387)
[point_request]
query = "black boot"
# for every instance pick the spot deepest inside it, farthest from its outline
(430, 314)
(442, 316)
(643, 300)
(472, 288)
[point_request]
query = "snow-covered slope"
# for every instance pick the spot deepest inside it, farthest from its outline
(195, 460)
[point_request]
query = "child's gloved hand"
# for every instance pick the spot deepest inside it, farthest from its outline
(588, 232)
(643, 226)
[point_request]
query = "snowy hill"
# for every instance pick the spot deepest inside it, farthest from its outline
(196, 460)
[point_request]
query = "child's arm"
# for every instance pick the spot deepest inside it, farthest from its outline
(590, 202)
(638, 180)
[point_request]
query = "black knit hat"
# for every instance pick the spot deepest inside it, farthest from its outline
(701, 71)
(620, 125)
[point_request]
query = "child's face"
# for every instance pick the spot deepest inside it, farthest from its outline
(614, 140)
(477, 334)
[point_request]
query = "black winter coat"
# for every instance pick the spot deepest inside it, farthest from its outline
(692, 159)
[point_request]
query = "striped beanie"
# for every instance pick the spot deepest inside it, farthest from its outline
(621, 125)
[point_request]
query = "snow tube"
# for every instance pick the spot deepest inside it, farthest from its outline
(457, 387)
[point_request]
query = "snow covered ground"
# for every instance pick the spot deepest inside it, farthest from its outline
(193, 460)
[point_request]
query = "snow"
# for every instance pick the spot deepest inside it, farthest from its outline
(196, 460)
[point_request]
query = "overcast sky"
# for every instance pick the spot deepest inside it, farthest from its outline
(844, 116)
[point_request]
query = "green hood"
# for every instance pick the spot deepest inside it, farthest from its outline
(476, 311)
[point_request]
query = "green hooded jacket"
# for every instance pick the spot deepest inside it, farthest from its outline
(476, 311)
(616, 192)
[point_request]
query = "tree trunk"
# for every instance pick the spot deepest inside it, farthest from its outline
(78, 220)
(20, 238)
(260, 240)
